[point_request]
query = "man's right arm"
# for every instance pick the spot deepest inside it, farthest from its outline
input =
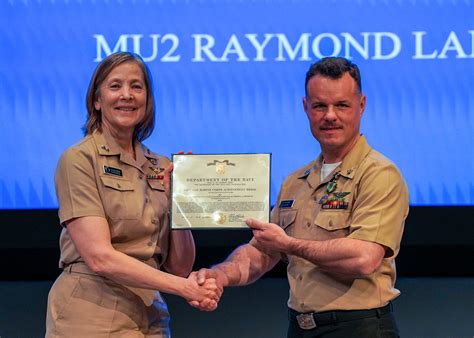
(245, 265)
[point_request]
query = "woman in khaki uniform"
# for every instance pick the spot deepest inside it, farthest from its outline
(113, 197)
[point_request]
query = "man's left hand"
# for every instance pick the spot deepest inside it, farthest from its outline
(269, 235)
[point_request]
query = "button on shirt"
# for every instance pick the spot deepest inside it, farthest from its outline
(96, 178)
(373, 207)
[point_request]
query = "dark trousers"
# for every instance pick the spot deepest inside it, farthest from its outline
(380, 325)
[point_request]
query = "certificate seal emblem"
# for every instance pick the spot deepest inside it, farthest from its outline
(220, 168)
(219, 217)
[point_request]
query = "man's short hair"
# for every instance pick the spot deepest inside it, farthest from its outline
(333, 68)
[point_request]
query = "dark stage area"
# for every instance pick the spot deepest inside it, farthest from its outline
(436, 278)
(427, 308)
(437, 242)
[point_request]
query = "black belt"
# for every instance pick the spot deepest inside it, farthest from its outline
(310, 320)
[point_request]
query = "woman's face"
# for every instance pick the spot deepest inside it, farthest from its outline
(122, 98)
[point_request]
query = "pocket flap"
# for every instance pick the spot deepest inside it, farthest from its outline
(156, 185)
(332, 220)
(117, 184)
(287, 217)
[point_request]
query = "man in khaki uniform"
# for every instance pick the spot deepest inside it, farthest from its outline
(338, 221)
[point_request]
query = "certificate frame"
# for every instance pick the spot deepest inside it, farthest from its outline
(219, 191)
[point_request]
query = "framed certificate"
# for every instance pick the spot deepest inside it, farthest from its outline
(219, 191)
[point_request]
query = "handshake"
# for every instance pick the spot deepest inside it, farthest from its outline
(246, 264)
(205, 288)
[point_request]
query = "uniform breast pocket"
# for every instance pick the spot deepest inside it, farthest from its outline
(333, 221)
(119, 198)
(159, 198)
(156, 185)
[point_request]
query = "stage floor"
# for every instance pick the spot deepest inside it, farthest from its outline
(428, 307)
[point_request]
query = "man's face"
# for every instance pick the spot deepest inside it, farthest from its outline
(334, 109)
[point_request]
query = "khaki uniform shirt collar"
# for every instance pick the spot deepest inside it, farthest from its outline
(139, 154)
(107, 146)
(154, 159)
(314, 176)
(347, 168)
(354, 158)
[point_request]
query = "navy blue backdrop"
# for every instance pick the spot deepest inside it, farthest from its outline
(229, 77)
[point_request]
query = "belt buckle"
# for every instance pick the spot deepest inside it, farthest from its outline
(306, 321)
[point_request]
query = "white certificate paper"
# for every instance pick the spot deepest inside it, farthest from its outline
(219, 191)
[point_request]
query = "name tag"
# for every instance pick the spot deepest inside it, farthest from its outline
(112, 171)
(286, 204)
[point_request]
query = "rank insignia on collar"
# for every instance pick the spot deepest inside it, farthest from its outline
(306, 172)
(153, 160)
(285, 204)
(336, 201)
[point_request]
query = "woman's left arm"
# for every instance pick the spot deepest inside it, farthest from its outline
(182, 250)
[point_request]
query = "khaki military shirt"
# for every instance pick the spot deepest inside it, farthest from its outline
(96, 178)
(370, 203)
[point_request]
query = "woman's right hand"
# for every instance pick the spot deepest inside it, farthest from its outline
(208, 293)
